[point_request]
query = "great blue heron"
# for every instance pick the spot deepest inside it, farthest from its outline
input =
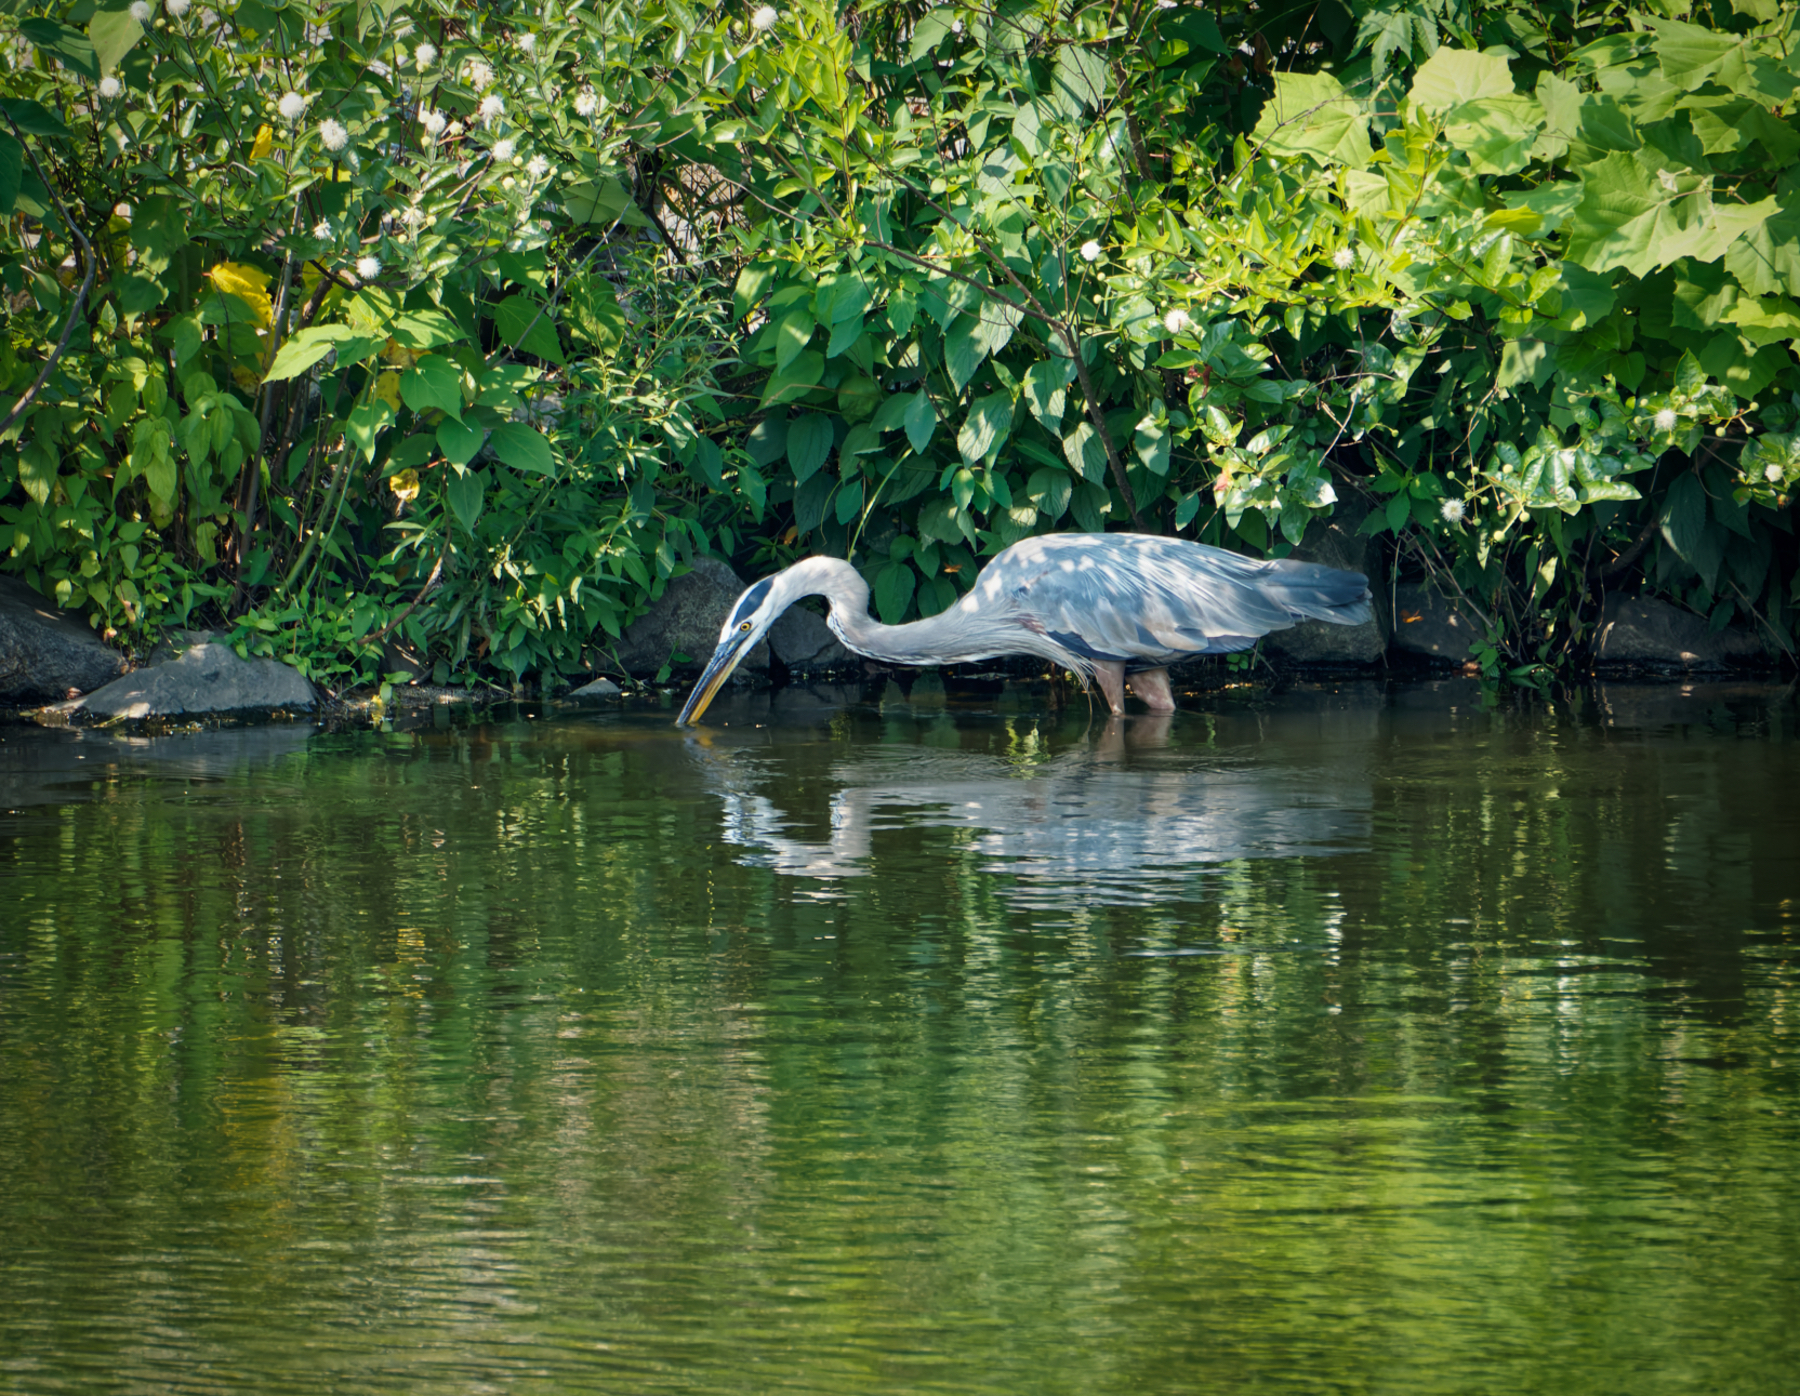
(1105, 605)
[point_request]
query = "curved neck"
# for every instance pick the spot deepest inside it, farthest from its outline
(957, 634)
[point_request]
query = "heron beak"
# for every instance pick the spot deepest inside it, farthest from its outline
(718, 669)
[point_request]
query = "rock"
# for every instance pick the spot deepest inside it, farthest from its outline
(803, 641)
(686, 619)
(206, 678)
(1336, 543)
(1429, 623)
(45, 652)
(594, 692)
(1642, 630)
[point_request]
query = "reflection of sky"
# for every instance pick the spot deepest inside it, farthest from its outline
(1084, 827)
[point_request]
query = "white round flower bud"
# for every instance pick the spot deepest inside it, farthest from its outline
(110, 87)
(332, 135)
(368, 268)
(764, 19)
(1090, 251)
(291, 106)
(1176, 320)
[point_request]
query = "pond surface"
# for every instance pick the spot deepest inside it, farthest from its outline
(1352, 1040)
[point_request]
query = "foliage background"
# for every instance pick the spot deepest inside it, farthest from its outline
(400, 322)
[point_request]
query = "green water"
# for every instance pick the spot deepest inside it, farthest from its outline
(1356, 1040)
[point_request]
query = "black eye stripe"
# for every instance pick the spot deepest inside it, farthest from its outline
(751, 600)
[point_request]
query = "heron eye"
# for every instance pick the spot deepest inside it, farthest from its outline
(744, 628)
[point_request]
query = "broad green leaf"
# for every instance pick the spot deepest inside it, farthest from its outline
(1709, 238)
(791, 337)
(965, 347)
(1768, 320)
(305, 348)
(985, 429)
(528, 327)
(113, 33)
(808, 444)
(1045, 381)
(1049, 489)
(849, 500)
(604, 200)
(893, 592)
(459, 442)
(433, 381)
(1085, 452)
(1689, 54)
(800, 378)
(365, 424)
(1632, 211)
(73, 47)
(1452, 76)
(1311, 114)
(12, 169)
(1496, 133)
(920, 420)
(1081, 80)
(33, 118)
(523, 448)
(892, 413)
(753, 283)
(767, 442)
(1153, 441)
(465, 489)
(902, 308)
(425, 329)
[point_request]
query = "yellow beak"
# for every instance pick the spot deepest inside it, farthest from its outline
(725, 659)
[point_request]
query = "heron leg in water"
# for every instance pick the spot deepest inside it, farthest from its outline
(1152, 685)
(1110, 675)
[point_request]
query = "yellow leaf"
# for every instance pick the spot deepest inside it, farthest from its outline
(398, 356)
(387, 388)
(265, 142)
(248, 284)
(405, 485)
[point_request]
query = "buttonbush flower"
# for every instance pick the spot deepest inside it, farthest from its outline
(585, 102)
(537, 167)
(177, 8)
(368, 268)
(140, 11)
(1771, 473)
(1176, 321)
(1343, 259)
(425, 55)
(478, 73)
(110, 87)
(1453, 510)
(764, 19)
(1090, 251)
(492, 108)
(123, 210)
(332, 135)
(503, 152)
(1666, 419)
(433, 122)
(528, 42)
(322, 230)
(291, 105)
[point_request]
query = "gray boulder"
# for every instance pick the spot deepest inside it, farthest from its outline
(45, 652)
(686, 619)
(1336, 543)
(594, 692)
(803, 642)
(1641, 630)
(205, 679)
(1426, 622)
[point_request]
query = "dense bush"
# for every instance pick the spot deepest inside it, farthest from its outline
(469, 328)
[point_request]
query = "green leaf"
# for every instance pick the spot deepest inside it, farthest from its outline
(1689, 54)
(902, 309)
(1497, 133)
(70, 45)
(1311, 114)
(365, 424)
(965, 346)
(113, 33)
(1081, 80)
(893, 592)
(528, 327)
(792, 336)
(603, 200)
(1086, 453)
(920, 421)
(1049, 489)
(1629, 216)
(466, 489)
(808, 444)
(12, 170)
(523, 448)
(433, 381)
(32, 118)
(304, 349)
(849, 500)
(1708, 239)
(425, 329)
(459, 442)
(1153, 442)
(1452, 76)
(800, 378)
(985, 429)
(1525, 361)
(1045, 381)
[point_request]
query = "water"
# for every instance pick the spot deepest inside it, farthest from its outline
(1354, 1040)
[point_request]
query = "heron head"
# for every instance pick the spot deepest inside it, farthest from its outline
(755, 611)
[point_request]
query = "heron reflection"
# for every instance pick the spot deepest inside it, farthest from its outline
(1124, 818)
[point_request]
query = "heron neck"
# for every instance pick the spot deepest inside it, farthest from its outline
(953, 634)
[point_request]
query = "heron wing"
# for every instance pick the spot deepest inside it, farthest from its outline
(1117, 596)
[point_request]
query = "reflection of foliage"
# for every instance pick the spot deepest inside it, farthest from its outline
(429, 342)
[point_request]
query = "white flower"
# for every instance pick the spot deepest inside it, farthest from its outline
(412, 215)
(433, 122)
(1090, 251)
(585, 102)
(492, 107)
(1343, 259)
(764, 19)
(332, 135)
(1771, 473)
(291, 106)
(368, 268)
(956, 26)
(455, 128)
(1176, 321)
(1453, 510)
(528, 42)
(1665, 419)
(537, 167)
(140, 11)
(124, 211)
(110, 87)
(425, 55)
(478, 73)
(503, 151)
(1165, 4)
(322, 230)
(177, 8)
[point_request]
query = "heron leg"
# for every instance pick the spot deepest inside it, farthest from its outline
(1110, 675)
(1152, 685)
